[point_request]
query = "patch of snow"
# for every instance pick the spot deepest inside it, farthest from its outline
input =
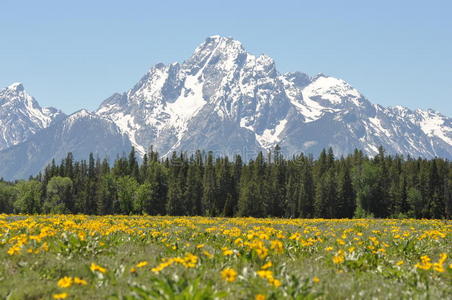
(372, 148)
(15, 86)
(332, 89)
(151, 90)
(18, 99)
(127, 125)
(271, 136)
(105, 109)
(432, 125)
(377, 125)
(311, 110)
(83, 113)
(244, 124)
(189, 102)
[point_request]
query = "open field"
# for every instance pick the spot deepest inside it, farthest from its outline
(122, 257)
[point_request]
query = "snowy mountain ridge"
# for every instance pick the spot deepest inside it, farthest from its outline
(21, 116)
(81, 133)
(221, 99)
(258, 107)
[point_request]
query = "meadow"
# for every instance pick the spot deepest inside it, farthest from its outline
(147, 257)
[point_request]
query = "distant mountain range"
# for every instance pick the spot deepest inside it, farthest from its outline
(222, 99)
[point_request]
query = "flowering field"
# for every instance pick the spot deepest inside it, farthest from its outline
(122, 257)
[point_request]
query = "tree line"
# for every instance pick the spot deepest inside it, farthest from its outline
(268, 186)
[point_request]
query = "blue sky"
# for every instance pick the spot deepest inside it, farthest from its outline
(74, 54)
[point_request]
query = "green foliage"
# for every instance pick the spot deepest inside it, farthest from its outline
(7, 197)
(127, 187)
(414, 199)
(269, 185)
(28, 198)
(164, 257)
(145, 199)
(59, 193)
(173, 288)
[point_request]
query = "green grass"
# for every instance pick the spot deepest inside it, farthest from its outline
(120, 243)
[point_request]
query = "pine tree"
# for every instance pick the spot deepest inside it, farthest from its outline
(209, 191)
(248, 199)
(224, 186)
(345, 205)
(193, 191)
(176, 201)
(106, 195)
(90, 206)
(158, 179)
(132, 165)
(298, 187)
(291, 207)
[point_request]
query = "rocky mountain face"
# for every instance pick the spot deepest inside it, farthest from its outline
(21, 116)
(222, 99)
(80, 133)
(227, 100)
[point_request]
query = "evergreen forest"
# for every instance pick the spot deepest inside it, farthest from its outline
(270, 185)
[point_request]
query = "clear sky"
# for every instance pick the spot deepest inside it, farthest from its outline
(74, 54)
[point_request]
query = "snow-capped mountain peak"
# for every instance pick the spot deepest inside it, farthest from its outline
(82, 113)
(16, 86)
(225, 98)
(81, 133)
(21, 115)
(433, 124)
(222, 99)
(15, 92)
(216, 45)
(333, 90)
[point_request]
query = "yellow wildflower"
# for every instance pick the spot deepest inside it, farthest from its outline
(142, 264)
(94, 267)
(442, 258)
(227, 252)
(425, 263)
(277, 246)
(14, 250)
(65, 282)
(190, 260)
(266, 274)
(267, 265)
(228, 274)
(60, 296)
(438, 267)
(80, 281)
(339, 258)
(340, 242)
(295, 236)
(208, 254)
(275, 282)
